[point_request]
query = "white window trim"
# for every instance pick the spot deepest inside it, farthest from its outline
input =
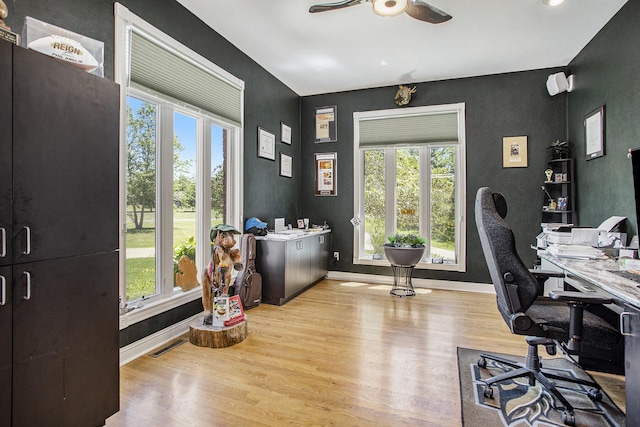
(124, 21)
(358, 190)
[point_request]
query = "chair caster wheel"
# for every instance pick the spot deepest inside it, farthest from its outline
(488, 392)
(595, 395)
(568, 418)
(482, 362)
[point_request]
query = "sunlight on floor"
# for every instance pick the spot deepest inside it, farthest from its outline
(386, 288)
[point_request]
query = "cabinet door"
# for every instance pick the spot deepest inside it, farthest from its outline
(6, 346)
(65, 152)
(65, 341)
(632, 365)
(5, 153)
(297, 266)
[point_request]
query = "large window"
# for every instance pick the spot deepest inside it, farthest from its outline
(409, 178)
(181, 162)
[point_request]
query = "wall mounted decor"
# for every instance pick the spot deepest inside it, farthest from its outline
(286, 163)
(325, 171)
(266, 144)
(326, 124)
(285, 133)
(514, 152)
(594, 133)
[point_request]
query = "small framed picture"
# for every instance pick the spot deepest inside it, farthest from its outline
(559, 177)
(266, 144)
(594, 133)
(514, 152)
(285, 165)
(325, 172)
(285, 133)
(301, 223)
(326, 124)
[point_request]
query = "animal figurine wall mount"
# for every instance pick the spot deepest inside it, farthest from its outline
(403, 95)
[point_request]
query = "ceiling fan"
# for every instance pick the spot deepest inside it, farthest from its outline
(417, 9)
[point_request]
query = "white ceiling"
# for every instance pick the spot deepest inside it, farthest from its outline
(354, 48)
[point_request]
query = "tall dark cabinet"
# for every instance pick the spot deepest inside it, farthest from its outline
(59, 363)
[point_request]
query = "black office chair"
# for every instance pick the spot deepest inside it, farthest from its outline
(559, 319)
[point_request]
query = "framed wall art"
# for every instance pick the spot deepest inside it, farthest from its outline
(594, 133)
(326, 124)
(266, 144)
(325, 174)
(285, 133)
(286, 163)
(514, 152)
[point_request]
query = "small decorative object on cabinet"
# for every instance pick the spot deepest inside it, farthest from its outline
(559, 192)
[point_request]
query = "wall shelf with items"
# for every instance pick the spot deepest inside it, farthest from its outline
(559, 193)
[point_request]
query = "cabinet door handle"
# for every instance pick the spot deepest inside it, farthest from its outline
(28, 294)
(624, 326)
(27, 249)
(3, 292)
(3, 249)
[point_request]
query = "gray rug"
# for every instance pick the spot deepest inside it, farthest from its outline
(515, 404)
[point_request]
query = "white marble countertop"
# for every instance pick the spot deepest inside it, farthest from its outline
(599, 273)
(295, 233)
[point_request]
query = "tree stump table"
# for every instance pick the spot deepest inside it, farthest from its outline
(215, 336)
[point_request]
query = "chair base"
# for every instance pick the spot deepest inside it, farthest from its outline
(532, 368)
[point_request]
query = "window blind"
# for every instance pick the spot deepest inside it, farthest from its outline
(411, 129)
(155, 67)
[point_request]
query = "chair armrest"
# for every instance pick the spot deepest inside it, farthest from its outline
(545, 274)
(580, 297)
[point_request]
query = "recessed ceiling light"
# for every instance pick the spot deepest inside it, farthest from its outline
(552, 2)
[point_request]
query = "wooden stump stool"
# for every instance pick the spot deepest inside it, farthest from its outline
(216, 337)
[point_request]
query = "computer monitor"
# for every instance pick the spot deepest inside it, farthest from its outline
(635, 167)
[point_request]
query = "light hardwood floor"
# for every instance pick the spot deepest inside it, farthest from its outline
(340, 354)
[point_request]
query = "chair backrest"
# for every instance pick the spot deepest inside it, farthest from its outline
(516, 288)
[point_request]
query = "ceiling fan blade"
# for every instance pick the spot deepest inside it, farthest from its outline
(332, 6)
(425, 12)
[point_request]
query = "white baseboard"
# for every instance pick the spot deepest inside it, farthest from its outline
(448, 285)
(153, 341)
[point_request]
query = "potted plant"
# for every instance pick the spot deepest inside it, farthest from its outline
(559, 149)
(404, 249)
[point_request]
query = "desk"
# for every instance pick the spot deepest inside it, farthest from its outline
(595, 275)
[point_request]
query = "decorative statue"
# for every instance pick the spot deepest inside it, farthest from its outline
(4, 12)
(217, 277)
(403, 96)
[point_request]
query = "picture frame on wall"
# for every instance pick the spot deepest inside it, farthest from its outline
(594, 133)
(285, 133)
(266, 144)
(514, 152)
(326, 124)
(326, 174)
(286, 165)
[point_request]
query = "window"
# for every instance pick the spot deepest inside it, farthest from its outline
(409, 169)
(181, 162)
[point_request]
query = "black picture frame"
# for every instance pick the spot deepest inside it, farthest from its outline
(286, 165)
(594, 133)
(266, 144)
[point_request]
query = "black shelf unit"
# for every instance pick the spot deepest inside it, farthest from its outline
(561, 185)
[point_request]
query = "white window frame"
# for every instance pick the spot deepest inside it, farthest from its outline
(460, 182)
(169, 297)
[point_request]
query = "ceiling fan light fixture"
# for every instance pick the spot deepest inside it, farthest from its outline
(389, 7)
(552, 2)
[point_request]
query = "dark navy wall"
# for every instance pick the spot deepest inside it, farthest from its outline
(607, 73)
(496, 106)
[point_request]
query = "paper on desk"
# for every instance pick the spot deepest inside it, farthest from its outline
(611, 223)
